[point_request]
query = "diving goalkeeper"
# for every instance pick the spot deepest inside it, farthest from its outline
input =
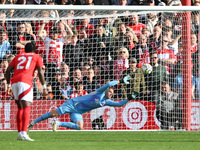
(79, 105)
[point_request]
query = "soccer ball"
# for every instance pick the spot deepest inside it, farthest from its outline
(147, 69)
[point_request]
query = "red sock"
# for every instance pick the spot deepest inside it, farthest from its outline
(19, 119)
(26, 117)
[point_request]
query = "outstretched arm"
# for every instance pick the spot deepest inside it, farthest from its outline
(106, 86)
(116, 104)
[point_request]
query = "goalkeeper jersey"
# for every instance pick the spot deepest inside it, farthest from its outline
(96, 99)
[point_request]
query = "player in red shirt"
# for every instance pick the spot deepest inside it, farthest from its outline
(24, 66)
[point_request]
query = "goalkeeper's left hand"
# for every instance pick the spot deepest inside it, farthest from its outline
(126, 79)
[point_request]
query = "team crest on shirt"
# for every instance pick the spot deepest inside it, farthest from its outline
(96, 100)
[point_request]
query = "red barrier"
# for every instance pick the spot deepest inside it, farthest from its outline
(136, 115)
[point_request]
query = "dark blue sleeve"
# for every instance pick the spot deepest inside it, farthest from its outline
(106, 86)
(116, 104)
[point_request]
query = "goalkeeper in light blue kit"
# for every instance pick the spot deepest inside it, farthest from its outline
(79, 105)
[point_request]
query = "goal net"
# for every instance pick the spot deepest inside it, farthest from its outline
(152, 51)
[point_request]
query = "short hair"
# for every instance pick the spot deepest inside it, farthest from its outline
(21, 22)
(30, 47)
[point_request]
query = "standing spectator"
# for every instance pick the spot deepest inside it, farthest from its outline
(154, 40)
(194, 45)
(106, 68)
(76, 76)
(131, 40)
(29, 29)
(85, 24)
(195, 22)
(136, 25)
(170, 112)
(157, 76)
(19, 39)
(73, 53)
(78, 90)
(142, 51)
(54, 45)
(178, 83)
(166, 55)
(5, 48)
(65, 88)
(36, 86)
(4, 95)
(173, 43)
(4, 65)
(90, 81)
(121, 63)
(22, 83)
(85, 70)
(151, 20)
(65, 71)
(83, 40)
(136, 81)
(100, 42)
(55, 83)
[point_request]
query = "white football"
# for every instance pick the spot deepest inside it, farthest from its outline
(146, 68)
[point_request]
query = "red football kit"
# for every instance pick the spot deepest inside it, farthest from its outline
(24, 67)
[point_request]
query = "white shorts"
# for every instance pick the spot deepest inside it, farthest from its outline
(22, 91)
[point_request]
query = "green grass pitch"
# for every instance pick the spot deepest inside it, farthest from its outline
(106, 140)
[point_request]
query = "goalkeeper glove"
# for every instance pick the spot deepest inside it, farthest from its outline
(126, 79)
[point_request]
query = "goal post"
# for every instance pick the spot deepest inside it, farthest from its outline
(114, 38)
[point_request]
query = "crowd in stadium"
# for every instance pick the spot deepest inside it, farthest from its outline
(81, 55)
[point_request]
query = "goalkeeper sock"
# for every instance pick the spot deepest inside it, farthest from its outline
(26, 117)
(19, 119)
(70, 125)
(43, 117)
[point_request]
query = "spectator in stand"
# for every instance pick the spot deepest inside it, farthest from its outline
(19, 39)
(55, 83)
(4, 95)
(85, 24)
(136, 25)
(155, 38)
(106, 68)
(64, 71)
(5, 48)
(154, 80)
(29, 30)
(84, 70)
(50, 94)
(136, 81)
(121, 63)
(99, 42)
(90, 61)
(78, 90)
(48, 24)
(173, 43)
(120, 38)
(194, 45)
(73, 53)
(178, 83)
(138, 2)
(10, 58)
(170, 112)
(151, 20)
(54, 45)
(90, 81)
(7, 26)
(166, 55)
(83, 40)
(142, 51)
(36, 86)
(77, 76)
(131, 40)
(146, 32)
(119, 2)
(4, 65)
(65, 88)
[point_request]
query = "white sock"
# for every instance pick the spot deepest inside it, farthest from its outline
(23, 132)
